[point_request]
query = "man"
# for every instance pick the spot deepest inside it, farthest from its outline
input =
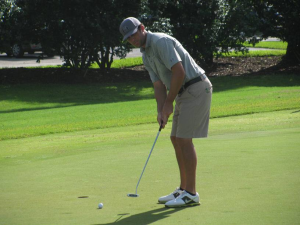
(172, 68)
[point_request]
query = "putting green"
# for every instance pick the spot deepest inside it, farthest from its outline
(248, 173)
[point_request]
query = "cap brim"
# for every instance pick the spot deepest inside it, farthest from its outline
(130, 33)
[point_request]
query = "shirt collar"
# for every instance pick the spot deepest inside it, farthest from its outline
(148, 42)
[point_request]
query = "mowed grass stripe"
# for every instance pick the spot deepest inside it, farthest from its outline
(29, 111)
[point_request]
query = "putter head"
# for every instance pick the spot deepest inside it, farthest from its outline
(133, 195)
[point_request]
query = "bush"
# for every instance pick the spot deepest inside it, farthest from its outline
(82, 32)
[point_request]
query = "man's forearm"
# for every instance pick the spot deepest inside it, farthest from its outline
(178, 75)
(176, 84)
(164, 100)
(160, 96)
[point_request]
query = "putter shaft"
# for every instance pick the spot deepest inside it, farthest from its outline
(148, 159)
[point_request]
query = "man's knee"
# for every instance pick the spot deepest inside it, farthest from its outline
(181, 141)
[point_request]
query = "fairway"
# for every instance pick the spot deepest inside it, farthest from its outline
(248, 173)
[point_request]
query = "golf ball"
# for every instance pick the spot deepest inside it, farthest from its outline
(100, 206)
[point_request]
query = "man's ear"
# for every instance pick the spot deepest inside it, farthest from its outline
(142, 27)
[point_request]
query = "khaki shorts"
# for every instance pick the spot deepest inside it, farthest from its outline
(192, 110)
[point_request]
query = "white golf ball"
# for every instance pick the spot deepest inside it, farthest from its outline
(100, 206)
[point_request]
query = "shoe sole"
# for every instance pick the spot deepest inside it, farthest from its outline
(185, 205)
(163, 202)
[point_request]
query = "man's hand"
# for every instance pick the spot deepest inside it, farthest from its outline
(159, 119)
(166, 112)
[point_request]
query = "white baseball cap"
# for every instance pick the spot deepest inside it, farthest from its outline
(129, 26)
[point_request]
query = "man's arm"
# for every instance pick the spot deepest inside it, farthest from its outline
(164, 100)
(160, 93)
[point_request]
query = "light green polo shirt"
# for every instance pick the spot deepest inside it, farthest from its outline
(161, 53)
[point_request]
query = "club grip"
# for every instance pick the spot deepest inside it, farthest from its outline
(160, 126)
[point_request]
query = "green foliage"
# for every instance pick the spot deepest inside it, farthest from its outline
(86, 32)
(280, 18)
(9, 25)
(154, 18)
(82, 32)
(207, 27)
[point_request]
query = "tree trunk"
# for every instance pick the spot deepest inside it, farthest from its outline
(293, 51)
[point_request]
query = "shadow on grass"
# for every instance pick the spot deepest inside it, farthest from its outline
(147, 217)
(121, 86)
(30, 97)
(298, 111)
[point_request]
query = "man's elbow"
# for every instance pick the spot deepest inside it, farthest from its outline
(178, 70)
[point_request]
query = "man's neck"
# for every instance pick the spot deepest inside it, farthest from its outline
(144, 45)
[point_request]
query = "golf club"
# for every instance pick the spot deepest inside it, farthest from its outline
(136, 195)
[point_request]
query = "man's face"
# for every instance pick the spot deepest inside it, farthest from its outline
(138, 39)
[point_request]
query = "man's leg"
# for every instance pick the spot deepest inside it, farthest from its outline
(180, 161)
(187, 162)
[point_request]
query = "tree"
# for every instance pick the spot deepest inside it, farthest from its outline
(281, 18)
(208, 27)
(5, 8)
(91, 31)
(83, 32)
(153, 17)
(10, 24)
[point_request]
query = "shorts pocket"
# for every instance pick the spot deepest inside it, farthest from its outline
(197, 90)
(194, 90)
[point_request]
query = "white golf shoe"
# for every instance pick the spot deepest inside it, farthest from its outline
(184, 199)
(171, 196)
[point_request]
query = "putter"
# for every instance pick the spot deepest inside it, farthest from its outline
(136, 195)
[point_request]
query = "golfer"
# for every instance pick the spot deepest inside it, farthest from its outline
(176, 77)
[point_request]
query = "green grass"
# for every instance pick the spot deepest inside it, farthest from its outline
(122, 63)
(127, 62)
(65, 148)
(259, 53)
(248, 173)
(130, 62)
(31, 110)
(268, 44)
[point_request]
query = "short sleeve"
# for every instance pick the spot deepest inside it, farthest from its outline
(167, 52)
